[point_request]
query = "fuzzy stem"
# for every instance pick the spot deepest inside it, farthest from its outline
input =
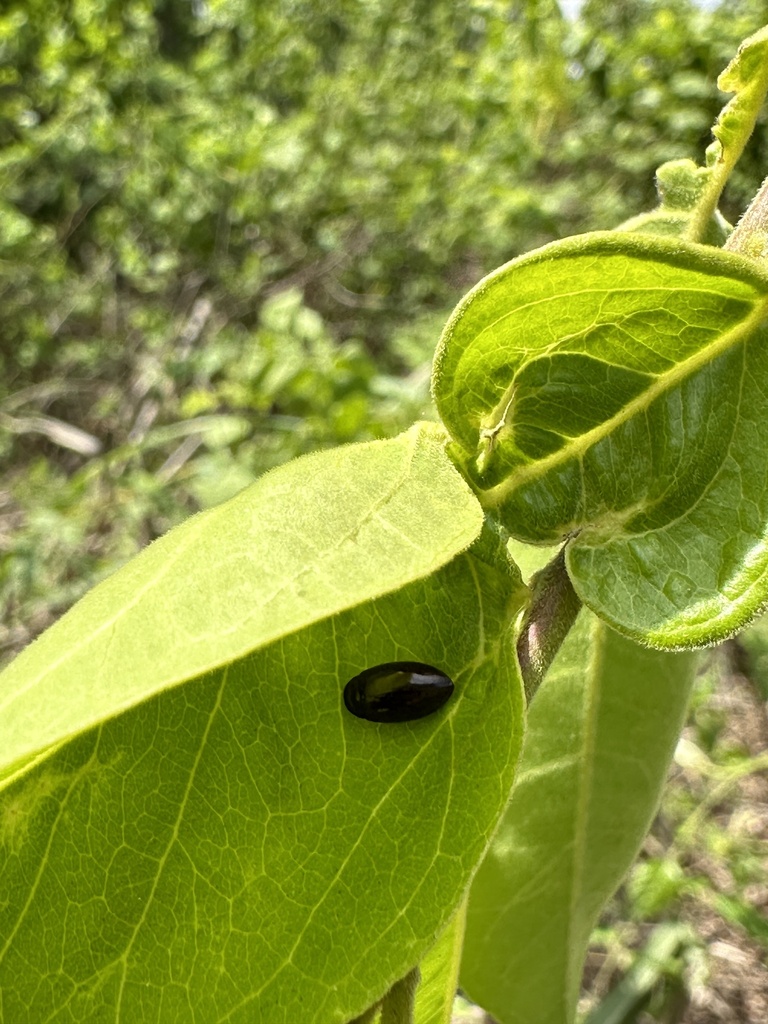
(400, 1001)
(553, 610)
(750, 237)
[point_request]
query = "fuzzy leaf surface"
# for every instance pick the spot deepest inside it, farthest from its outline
(440, 974)
(311, 538)
(747, 77)
(611, 389)
(601, 733)
(241, 848)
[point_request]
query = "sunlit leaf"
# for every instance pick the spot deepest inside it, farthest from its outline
(610, 389)
(198, 857)
(601, 732)
(312, 538)
(747, 77)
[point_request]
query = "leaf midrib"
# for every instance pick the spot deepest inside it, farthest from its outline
(531, 472)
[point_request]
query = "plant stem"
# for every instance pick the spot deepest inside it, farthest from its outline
(399, 1002)
(553, 610)
(750, 236)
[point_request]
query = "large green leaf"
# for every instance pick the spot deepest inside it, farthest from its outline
(241, 848)
(306, 541)
(611, 389)
(601, 732)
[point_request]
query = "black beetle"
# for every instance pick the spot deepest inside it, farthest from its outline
(398, 691)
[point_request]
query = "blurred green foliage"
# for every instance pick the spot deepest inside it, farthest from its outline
(231, 229)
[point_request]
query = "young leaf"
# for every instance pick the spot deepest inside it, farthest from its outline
(601, 732)
(306, 541)
(747, 77)
(689, 194)
(682, 187)
(609, 389)
(242, 848)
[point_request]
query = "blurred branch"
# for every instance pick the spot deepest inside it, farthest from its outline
(177, 458)
(63, 434)
(47, 391)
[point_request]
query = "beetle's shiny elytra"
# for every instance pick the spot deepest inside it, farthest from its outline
(399, 691)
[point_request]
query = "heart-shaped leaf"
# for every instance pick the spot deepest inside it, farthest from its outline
(611, 389)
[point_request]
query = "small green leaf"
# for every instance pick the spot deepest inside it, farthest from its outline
(609, 389)
(747, 77)
(242, 848)
(681, 186)
(306, 541)
(601, 732)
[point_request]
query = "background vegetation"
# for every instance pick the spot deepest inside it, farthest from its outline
(229, 234)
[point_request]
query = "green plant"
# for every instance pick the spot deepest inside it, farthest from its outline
(192, 192)
(193, 827)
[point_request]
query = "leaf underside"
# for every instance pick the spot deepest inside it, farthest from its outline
(610, 390)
